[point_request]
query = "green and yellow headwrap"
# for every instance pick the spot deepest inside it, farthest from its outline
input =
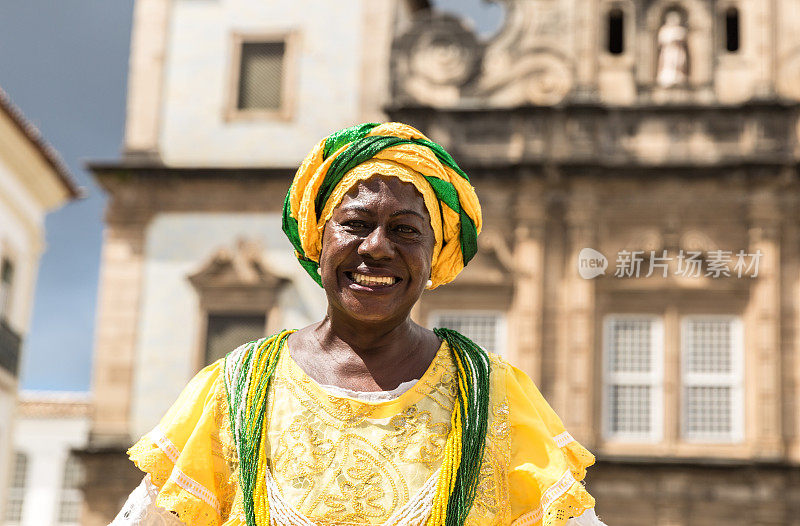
(344, 158)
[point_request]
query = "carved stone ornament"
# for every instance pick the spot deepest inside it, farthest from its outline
(438, 62)
(548, 80)
(434, 60)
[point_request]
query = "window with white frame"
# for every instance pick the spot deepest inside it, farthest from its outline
(486, 328)
(16, 489)
(633, 375)
(712, 374)
(69, 506)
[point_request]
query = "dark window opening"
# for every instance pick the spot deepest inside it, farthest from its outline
(6, 281)
(616, 31)
(732, 30)
(261, 76)
(225, 332)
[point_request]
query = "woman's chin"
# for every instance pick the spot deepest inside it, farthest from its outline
(371, 309)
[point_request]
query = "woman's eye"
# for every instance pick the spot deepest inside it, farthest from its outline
(355, 224)
(405, 229)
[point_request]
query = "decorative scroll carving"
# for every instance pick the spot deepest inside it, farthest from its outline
(543, 78)
(528, 62)
(434, 60)
(439, 62)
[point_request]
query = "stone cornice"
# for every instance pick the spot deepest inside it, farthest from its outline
(679, 136)
(103, 169)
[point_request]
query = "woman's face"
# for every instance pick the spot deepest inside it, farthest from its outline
(377, 250)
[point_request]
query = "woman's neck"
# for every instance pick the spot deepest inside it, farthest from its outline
(363, 356)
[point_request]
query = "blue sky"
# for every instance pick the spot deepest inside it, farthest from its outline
(64, 64)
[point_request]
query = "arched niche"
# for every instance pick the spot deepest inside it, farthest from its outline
(616, 70)
(698, 20)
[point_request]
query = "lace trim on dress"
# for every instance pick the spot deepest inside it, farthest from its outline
(179, 477)
(587, 518)
(165, 444)
(572, 500)
(195, 488)
(563, 439)
(548, 497)
(370, 396)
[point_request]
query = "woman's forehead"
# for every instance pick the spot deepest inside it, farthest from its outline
(385, 189)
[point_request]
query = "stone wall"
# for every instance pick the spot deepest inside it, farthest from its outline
(657, 493)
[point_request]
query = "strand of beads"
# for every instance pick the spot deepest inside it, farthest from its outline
(473, 367)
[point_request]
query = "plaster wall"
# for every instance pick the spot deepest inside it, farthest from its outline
(168, 346)
(21, 239)
(324, 93)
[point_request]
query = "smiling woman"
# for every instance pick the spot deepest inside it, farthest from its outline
(365, 417)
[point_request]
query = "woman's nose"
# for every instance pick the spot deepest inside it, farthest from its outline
(376, 245)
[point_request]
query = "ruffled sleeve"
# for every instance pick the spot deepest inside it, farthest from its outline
(547, 464)
(190, 455)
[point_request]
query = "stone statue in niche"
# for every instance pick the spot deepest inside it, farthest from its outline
(673, 52)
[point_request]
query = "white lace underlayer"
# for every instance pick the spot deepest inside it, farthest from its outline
(140, 510)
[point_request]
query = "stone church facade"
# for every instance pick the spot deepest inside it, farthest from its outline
(637, 164)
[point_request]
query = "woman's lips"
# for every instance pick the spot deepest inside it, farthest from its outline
(371, 281)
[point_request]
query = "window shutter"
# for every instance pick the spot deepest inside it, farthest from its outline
(712, 378)
(69, 506)
(16, 490)
(633, 377)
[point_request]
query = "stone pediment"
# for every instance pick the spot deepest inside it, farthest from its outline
(492, 265)
(242, 266)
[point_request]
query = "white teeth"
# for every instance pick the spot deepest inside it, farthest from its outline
(361, 279)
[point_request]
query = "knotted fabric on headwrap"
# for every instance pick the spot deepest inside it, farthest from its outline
(341, 160)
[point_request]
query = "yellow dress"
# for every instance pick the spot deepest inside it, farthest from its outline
(345, 461)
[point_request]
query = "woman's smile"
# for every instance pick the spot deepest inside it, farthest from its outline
(371, 281)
